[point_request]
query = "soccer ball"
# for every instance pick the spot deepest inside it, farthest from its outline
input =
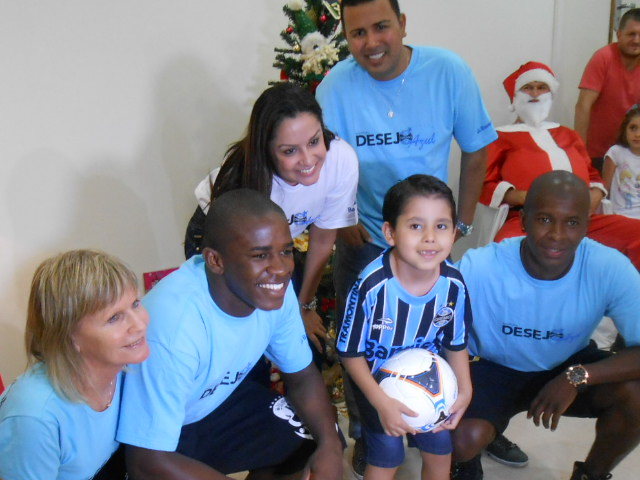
(424, 382)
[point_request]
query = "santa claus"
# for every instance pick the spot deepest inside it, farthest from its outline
(533, 146)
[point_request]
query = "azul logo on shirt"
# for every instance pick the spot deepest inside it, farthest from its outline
(382, 324)
(516, 331)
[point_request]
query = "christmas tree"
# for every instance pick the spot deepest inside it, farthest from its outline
(315, 42)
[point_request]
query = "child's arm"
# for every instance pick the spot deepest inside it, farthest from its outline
(459, 361)
(608, 171)
(389, 409)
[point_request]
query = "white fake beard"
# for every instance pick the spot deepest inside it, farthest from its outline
(532, 113)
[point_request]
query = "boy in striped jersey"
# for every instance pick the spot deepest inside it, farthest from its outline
(409, 297)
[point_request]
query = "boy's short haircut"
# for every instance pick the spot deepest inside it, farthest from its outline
(419, 184)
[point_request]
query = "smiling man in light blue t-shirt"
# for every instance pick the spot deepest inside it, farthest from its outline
(192, 409)
(536, 302)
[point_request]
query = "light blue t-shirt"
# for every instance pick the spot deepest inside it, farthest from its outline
(531, 325)
(199, 355)
(435, 99)
(46, 437)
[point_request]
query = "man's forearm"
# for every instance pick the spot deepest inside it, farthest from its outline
(581, 121)
(145, 464)
(582, 117)
(473, 167)
(308, 394)
(621, 367)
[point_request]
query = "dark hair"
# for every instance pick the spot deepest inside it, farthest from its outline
(224, 213)
(419, 184)
(622, 134)
(633, 14)
(352, 3)
(248, 162)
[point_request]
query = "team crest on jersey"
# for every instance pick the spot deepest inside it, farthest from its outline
(281, 409)
(382, 324)
(443, 316)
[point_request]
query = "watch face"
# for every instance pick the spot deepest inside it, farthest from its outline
(577, 375)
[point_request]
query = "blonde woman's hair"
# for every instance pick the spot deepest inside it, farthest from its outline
(65, 289)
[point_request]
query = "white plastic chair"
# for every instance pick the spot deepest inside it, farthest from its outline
(486, 223)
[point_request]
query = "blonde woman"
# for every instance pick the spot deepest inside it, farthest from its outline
(85, 323)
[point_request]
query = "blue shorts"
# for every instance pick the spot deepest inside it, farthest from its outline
(254, 428)
(500, 392)
(386, 451)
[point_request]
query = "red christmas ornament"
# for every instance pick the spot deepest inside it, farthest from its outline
(289, 29)
(323, 18)
(283, 76)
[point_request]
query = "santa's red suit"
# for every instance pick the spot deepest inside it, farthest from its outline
(522, 153)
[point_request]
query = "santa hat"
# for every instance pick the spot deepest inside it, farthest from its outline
(530, 72)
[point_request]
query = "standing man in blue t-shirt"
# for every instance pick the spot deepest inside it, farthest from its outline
(193, 411)
(399, 106)
(537, 300)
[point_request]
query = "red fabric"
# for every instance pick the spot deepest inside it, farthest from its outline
(517, 159)
(615, 231)
(151, 278)
(619, 90)
(1, 385)
(510, 82)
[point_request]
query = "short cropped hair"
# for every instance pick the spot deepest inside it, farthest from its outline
(633, 14)
(228, 208)
(558, 183)
(397, 197)
(353, 3)
(65, 289)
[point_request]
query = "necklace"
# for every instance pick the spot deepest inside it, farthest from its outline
(390, 101)
(112, 391)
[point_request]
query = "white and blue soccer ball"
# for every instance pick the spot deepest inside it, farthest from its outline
(424, 382)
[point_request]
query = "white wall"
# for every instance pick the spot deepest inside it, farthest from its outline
(111, 112)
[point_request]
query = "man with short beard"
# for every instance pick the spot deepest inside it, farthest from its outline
(610, 85)
(533, 146)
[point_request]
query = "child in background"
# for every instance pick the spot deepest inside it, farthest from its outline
(410, 296)
(621, 173)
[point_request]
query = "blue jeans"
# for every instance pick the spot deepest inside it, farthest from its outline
(349, 261)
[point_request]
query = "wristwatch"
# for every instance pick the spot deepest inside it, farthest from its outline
(312, 305)
(577, 376)
(465, 230)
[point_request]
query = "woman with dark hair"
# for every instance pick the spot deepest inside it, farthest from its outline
(289, 155)
(85, 323)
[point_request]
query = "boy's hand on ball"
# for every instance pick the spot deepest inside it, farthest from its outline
(456, 412)
(390, 413)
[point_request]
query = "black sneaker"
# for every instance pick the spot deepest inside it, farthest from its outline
(504, 451)
(579, 473)
(471, 470)
(358, 460)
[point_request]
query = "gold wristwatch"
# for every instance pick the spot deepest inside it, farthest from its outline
(577, 376)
